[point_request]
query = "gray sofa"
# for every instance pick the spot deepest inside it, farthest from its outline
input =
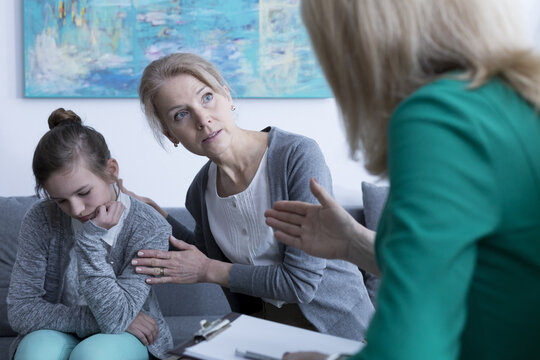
(183, 305)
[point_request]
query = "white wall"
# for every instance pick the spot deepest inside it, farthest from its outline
(531, 9)
(148, 169)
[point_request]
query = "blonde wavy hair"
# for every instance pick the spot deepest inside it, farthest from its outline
(374, 53)
(167, 67)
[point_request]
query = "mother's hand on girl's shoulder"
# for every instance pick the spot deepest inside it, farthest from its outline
(188, 265)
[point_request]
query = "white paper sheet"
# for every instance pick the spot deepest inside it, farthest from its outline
(268, 338)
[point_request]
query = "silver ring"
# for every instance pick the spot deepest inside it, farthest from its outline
(162, 271)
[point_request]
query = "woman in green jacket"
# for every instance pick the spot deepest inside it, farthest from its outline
(441, 97)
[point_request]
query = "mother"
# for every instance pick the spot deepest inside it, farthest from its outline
(186, 100)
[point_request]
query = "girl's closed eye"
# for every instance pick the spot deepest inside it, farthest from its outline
(85, 193)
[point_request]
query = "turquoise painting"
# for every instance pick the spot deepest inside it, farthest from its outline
(99, 48)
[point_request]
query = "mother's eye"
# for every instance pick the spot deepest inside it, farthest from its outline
(208, 97)
(181, 115)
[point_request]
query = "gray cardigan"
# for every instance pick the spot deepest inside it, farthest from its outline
(330, 293)
(115, 294)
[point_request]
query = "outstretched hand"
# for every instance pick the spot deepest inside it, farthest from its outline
(322, 230)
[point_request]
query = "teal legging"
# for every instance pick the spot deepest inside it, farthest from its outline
(56, 345)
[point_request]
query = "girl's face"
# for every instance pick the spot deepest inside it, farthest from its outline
(79, 192)
(197, 116)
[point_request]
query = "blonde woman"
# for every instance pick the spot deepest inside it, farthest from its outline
(187, 102)
(443, 98)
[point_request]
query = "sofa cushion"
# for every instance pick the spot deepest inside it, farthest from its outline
(12, 210)
(374, 200)
(191, 299)
(182, 215)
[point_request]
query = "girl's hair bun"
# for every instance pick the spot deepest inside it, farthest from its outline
(61, 116)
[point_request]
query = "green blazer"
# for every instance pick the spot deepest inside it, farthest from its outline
(459, 240)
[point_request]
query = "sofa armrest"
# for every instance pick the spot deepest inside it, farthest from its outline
(12, 211)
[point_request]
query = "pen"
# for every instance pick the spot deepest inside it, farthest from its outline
(253, 355)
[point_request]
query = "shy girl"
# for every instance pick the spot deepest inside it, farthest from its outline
(73, 293)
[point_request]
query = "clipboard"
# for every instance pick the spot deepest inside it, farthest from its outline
(221, 339)
(207, 331)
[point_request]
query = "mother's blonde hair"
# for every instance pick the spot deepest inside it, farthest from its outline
(375, 53)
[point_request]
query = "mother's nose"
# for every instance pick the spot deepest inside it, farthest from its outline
(202, 118)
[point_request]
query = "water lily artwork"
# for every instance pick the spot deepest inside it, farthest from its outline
(99, 48)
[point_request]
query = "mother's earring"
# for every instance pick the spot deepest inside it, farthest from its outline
(233, 107)
(175, 144)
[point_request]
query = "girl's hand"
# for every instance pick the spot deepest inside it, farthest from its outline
(109, 214)
(186, 266)
(145, 328)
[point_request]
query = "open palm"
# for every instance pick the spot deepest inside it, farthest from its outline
(322, 230)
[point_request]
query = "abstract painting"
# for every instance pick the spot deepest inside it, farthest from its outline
(99, 48)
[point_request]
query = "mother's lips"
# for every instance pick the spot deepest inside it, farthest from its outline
(211, 136)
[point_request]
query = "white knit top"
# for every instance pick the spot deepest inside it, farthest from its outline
(238, 224)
